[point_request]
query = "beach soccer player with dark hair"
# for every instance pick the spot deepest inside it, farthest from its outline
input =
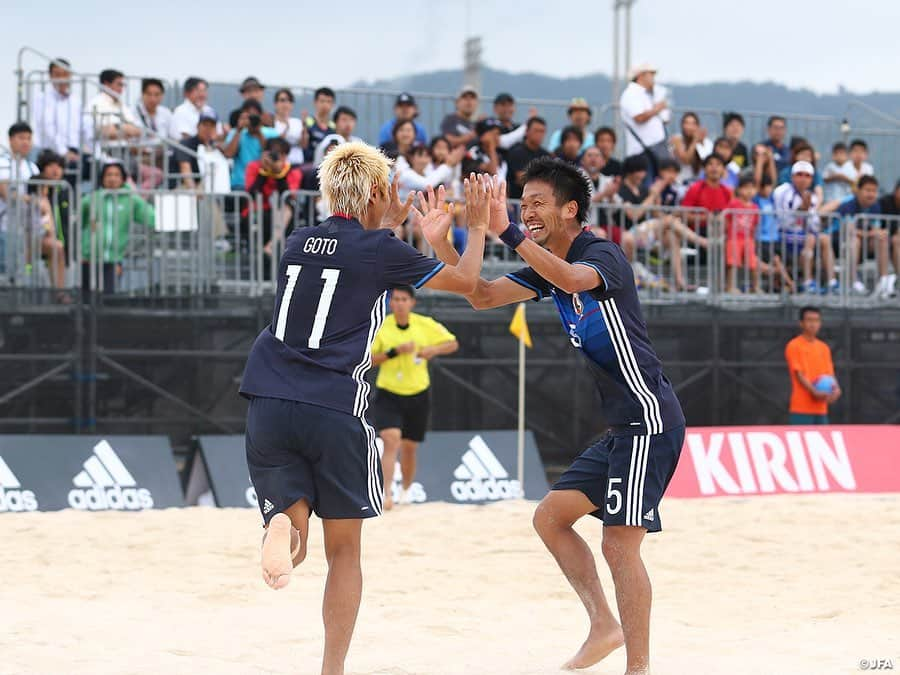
(622, 478)
(309, 445)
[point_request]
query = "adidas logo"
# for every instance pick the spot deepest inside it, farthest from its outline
(481, 477)
(12, 497)
(106, 484)
(267, 506)
(649, 515)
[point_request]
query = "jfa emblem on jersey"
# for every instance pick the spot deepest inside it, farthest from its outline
(577, 304)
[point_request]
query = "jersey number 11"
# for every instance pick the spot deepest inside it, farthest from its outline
(318, 328)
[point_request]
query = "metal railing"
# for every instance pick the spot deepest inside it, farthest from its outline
(178, 243)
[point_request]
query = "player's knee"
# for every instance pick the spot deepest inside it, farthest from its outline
(617, 546)
(543, 521)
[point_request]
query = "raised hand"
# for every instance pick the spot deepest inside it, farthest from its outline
(397, 210)
(499, 207)
(478, 201)
(434, 217)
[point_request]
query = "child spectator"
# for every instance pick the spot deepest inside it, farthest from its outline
(802, 151)
(769, 236)
(858, 165)
(837, 175)
(740, 229)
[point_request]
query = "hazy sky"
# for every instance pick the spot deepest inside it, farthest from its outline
(818, 44)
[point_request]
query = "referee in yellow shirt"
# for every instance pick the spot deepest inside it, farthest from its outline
(402, 348)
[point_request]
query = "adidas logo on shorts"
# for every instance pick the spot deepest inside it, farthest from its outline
(12, 497)
(650, 515)
(105, 484)
(481, 477)
(267, 506)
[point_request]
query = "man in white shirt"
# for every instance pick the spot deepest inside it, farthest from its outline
(153, 116)
(57, 115)
(858, 166)
(186, 116)
(15, 171)
(108, 116)
(645, 111)
(344, 126)
(802, 234)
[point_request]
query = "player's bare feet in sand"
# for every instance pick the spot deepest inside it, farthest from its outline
(600, 643)
(281, 551)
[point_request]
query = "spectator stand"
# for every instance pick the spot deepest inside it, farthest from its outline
(162, 354)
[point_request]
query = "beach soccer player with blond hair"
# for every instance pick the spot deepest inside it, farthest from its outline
(622, 478)
(309, 446)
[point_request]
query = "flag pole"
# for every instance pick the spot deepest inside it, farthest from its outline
(520, 436)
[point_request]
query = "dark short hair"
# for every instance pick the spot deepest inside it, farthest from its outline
(775, 118)
(746, 178)
(192, 83)
(766, 180)
(251, 103)
(279, 144)
(866, 180)
(571, 131)
(284, 90)
(840, 145)
(714, 156)
(668, 163)
(634, 164)
(690, 114)
(809, 309)
(405, 288)
(436, 140)
(569, 183)
(48, 157)
(110, 75)
(346, 110)
(607, 131)
(152, 82)
(535, 120)
(725, 140)
(858, 142)
(729, 117)
(19, 128)
(59, 62)
(324, 91)
(504, 98)
(798, 140)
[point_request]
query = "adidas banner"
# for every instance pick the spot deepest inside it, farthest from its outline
(88, 473)
(464, 467)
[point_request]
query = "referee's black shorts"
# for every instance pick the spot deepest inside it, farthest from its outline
(410, 414)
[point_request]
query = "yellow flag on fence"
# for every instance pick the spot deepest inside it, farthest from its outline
(519, 326)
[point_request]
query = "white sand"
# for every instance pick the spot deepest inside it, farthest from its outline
(765, 585)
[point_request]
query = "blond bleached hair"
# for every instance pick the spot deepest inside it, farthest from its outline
(347, 174)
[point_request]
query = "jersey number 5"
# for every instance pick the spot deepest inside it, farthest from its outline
(318, 328)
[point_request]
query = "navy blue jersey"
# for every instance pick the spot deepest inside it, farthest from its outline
(607, 326)
(332, 285)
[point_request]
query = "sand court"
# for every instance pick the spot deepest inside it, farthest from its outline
(786, 584)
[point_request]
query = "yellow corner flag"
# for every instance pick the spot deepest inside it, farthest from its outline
(519, 326)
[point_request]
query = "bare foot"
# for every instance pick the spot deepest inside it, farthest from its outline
(599, 644)
(277, 550)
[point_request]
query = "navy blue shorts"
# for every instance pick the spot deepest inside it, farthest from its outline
(302, 451)
(625, 476)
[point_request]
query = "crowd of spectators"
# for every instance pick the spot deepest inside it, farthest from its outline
(784, 217)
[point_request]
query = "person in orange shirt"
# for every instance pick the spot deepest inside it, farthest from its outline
(809, 359)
